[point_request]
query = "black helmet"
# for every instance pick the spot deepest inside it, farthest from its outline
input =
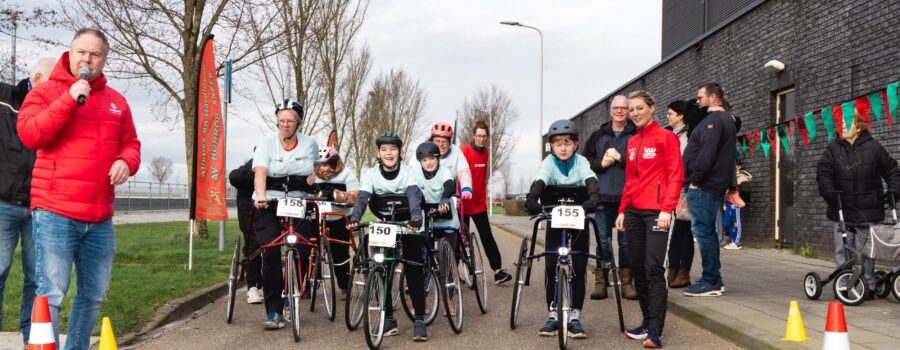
(389, 138)
(427, 149)
(290, 104)
(562, 127)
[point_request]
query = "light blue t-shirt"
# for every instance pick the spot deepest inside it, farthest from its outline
(579, 171)
(346, 178)
(432, 189)
(374, 183)
(454, 161)
(280, 163)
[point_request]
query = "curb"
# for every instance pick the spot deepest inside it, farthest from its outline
(177, 309)
(739, 332)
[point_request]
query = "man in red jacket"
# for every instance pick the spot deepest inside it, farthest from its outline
(86, 144)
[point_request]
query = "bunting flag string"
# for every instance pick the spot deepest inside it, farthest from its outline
(836, 119)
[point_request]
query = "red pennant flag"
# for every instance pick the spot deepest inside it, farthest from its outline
(757, 142)
(750, 145)
(801, 127)
(884, 97)
(838, 114)
(862, 106)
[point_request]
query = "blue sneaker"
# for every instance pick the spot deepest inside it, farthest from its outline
(639, 332)
(705, 289)
(575, 330)
(653, 340)
(550, 328)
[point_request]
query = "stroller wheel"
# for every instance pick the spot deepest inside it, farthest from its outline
(882, 289)
(895, 286)
(850, 295)
(812, 285)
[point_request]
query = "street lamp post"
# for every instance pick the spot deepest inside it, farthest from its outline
(541, 125)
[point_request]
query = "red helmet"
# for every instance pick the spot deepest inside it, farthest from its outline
(442, 130)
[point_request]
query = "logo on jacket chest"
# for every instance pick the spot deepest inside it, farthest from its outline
(649, 153)
(480, 165)
(114, 109)
(631, 153)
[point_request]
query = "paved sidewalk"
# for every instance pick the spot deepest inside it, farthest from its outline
(760, 283)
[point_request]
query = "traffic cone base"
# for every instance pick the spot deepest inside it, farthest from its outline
(795, 330)
(41, 336)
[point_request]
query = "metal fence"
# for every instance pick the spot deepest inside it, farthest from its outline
(144, 195)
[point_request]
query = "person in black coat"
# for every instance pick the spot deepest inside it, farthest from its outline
(242, 180)
(852, 169)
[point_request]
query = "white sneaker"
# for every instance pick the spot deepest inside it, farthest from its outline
(255, 296)
(732, 246)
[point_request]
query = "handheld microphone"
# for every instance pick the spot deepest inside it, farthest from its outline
(83, 74)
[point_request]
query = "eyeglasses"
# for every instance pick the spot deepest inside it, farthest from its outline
(620, 108)
(287, 122)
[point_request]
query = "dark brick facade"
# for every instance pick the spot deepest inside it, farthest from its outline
(833, 51)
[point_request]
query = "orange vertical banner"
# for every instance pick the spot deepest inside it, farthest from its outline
(208, 195)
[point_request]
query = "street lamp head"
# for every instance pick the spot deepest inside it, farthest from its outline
(511, 23)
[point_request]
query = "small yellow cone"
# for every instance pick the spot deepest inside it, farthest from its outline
(107, 338)
(794, 330)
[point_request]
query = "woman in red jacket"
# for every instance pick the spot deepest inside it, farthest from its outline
(653, 179)
(476, 154)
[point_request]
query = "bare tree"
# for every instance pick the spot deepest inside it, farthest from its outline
(161, 168)
(12, 17)
(494, 106)
(507, 179)
(157, 44)
(395, 103)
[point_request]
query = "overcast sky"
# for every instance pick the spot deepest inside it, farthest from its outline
(453, 48)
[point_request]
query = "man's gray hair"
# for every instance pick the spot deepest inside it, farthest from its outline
(95, 32)
(43, 66)
(616, 97)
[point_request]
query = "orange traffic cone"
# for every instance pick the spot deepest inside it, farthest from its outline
(836, 337)
(41, 337)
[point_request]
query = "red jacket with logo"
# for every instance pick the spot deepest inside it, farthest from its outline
(76, 145)
(653, 170)
(478, 163)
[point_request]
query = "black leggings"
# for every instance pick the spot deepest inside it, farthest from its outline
(647, 249)
(253, 270)
(580, 242)
(268, 227)
(340, 252)
(681, 247)
(487, 239)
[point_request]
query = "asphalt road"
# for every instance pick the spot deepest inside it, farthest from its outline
(208, 329)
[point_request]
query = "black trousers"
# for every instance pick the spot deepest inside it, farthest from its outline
(268, 227)
(681, 247)
(487, 239)
(413, 249)
(580, 242)
(647, 250)
(340, 252)
(253, 270)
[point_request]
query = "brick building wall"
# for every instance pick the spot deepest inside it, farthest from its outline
(833, 51)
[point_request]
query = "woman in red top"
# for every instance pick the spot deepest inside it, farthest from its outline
(476, 154)
(653, 180)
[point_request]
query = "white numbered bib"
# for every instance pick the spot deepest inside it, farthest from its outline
(324, 207)
(383, 235)
(569, 217)
(291, 207)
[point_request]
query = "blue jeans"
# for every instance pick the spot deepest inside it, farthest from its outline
(704, 208)
(606, 220)
(91, 247)
(15, 222)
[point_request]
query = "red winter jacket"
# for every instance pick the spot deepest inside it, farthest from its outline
(478, 166)
(76, 145)
(653, 171)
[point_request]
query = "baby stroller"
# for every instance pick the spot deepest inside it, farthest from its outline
(880, 242)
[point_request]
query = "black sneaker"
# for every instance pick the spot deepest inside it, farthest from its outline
(550, 328)
(639, 332)
(653, 341)
(390, 327)
(575, 330)
(420, 331)
(501, 276)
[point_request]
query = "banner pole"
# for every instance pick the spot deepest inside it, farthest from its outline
(191, 246)
(226, 102)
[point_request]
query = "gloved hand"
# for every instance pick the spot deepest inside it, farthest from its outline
(327, 193)
(532, 207)
(466, 193)
(444, 205)
(414, 224)
(352, 225)
(590, 205)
